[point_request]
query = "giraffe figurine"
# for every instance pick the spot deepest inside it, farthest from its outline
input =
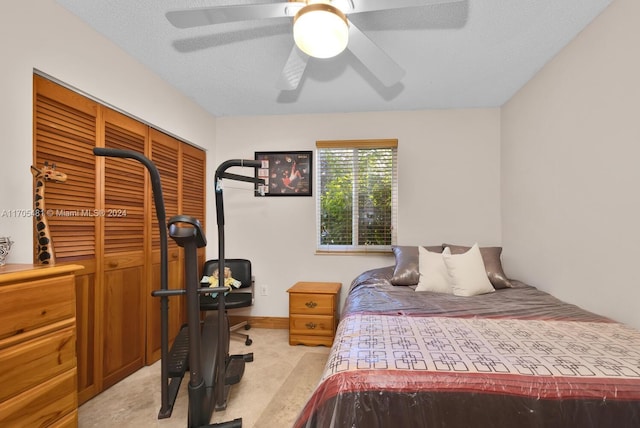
(44, 252)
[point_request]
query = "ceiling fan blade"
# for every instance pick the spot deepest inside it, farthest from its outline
(374, 5)
(293, 70)
(346, 6)
(383, 67)
(222, 14)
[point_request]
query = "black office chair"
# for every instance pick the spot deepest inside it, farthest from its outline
(240, 297)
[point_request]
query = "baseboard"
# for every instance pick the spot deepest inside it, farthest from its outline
(261, 322)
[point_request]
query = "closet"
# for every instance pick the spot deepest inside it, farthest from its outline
(103, 218)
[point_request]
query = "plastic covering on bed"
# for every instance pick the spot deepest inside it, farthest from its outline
(516, 357)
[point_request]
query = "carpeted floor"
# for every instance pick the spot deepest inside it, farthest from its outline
(273, 390)
(292, 395)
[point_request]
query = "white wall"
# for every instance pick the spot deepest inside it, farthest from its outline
(40, 34)
(449, 166)
(570, 170)
(449, 160)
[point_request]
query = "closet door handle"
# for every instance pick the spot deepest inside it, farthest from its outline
(311, 304)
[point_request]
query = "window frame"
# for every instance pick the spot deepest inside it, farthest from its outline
(356, 145)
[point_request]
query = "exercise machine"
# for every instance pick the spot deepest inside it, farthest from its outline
(203, 346)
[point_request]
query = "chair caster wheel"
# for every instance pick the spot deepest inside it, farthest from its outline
(248, 342)
(247, 326)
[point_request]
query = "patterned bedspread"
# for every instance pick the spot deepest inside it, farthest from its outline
(503, 355)
(515, 357)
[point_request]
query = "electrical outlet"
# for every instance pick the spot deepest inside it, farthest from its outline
(263, 290)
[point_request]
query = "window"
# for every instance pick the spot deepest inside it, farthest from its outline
(356, 201)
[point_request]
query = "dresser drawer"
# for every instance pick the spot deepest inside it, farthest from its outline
(69, 421)
(30, 305)
(51, 402)
(312, 325)
(35, 361)
(311, 304)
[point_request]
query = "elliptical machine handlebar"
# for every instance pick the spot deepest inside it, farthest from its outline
(250, 163)
(181, 234)
(158, 200)
(221, 173)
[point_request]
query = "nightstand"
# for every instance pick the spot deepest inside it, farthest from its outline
(313, 313)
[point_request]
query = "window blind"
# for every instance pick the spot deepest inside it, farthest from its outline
(356, 197)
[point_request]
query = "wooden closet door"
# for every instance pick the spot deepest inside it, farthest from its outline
(65, 127)
(125, 229)
(165, 154)
(109, 229)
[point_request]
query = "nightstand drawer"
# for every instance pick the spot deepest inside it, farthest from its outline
(314, 325)
(311, 304)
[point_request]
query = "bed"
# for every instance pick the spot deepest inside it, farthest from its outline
(513, 357)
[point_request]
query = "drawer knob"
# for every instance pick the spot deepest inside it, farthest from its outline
(311, 304)
(311, 325)
(113, 264)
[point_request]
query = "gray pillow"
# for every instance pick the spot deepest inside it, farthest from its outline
(492, 264)
(407, 271)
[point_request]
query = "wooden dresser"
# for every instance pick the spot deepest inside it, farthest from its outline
(313, 313)
(38, 385)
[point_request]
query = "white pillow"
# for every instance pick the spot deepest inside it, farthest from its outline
(467, 272)
(433, 272)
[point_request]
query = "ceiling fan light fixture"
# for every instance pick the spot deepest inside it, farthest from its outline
(320, 30)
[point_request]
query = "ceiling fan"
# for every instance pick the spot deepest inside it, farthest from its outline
(321, 29)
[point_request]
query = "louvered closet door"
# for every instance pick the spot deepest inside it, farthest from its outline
(193, 188)
(65, 134)
(165, 154)
(124, 295)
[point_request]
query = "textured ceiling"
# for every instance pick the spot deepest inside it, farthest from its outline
(472, 53)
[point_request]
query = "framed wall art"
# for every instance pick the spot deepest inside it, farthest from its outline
(285, 173)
